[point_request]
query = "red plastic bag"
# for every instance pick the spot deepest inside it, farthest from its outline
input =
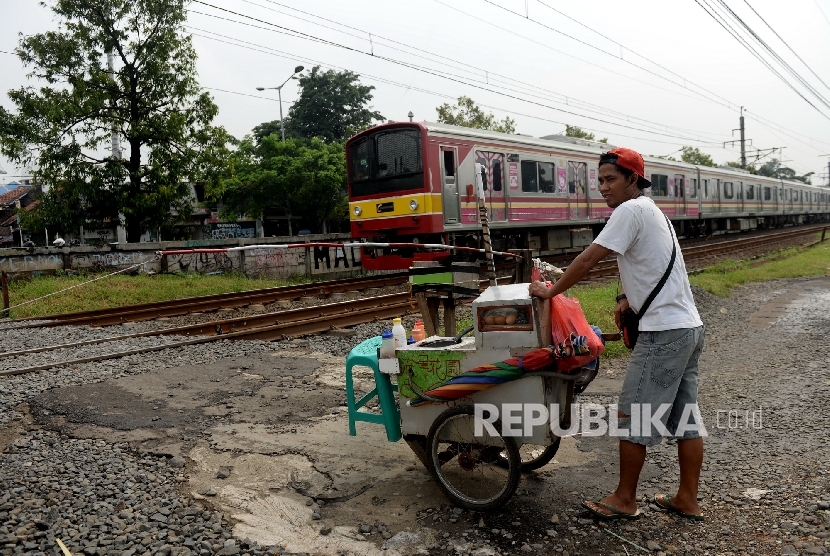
(574, 341)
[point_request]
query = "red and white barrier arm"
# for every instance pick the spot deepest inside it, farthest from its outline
(440, 246)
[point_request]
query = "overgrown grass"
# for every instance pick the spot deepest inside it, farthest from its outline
(117, 291)
(795, 262)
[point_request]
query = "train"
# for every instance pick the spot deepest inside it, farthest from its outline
(413, 183)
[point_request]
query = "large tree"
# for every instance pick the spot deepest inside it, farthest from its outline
(151, 101)
(774, 169)
(333, 106)
(694, 155)
(468, 114)
(579, 133)
(300, 177)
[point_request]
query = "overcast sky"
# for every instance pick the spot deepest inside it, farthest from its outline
(513, 56)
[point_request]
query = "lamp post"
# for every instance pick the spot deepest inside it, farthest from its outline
(297, 70)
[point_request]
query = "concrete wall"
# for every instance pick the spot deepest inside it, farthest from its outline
(319, 262)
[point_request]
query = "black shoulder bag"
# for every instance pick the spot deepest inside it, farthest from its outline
(629, 319)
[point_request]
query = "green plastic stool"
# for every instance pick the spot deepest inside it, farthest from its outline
(366, 354)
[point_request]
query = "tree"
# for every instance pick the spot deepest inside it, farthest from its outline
(774, 169)
(693, 155)
(467, 114)
(152, 101)
(299, 177)
(579, 133)
(332, 106)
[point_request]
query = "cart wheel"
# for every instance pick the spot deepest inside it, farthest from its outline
(533, 457)
(468, 468)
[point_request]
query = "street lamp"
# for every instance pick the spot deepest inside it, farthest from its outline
(297, 70)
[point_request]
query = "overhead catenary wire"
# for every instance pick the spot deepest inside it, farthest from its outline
(785, 43)
(623, 46)
(777, 57)
(566, 100)
(721, 20)
(454, 78)
(268, 50)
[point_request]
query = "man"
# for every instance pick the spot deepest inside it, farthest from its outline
(663, 367)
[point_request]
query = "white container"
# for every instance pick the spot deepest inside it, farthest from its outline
(387, 346)
(398, 333)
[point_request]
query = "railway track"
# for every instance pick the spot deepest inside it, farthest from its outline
(301, 321)
(184, 306)
(268, 327)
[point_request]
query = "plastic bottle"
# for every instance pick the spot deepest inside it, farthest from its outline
(387, 346)
(418, 332)
(398, 333)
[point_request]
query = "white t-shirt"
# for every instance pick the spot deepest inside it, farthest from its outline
(638, 232)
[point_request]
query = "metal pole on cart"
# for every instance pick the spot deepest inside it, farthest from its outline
(481, 175)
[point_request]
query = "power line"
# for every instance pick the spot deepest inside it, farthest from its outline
(564, 99)
(822, 12)
(287, 55)
(785, 43)
(620, 58)
(723, 23)
(666, 69)
(449, 77)
(783, 63)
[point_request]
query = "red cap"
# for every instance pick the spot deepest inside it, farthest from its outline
(628, 159)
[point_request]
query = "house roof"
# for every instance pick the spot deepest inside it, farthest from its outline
(9, 198)
(9, 221)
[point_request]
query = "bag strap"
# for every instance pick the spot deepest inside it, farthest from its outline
(665, 277)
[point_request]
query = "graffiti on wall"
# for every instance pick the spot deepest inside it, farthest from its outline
(230, 230)
(323, 255)
(30, 263)
(203, 263)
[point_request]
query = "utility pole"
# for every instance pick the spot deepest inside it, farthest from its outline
(743, 140)
(828, 168)
(743, 145)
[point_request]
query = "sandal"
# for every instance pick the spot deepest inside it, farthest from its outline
(663, 502)
(615, 514)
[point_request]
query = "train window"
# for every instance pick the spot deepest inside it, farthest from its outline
(750, 192)
(497, 174)
(547, 177)
(705, 189)
(398, 153)
(693, 190)
(449, 163)
(577, 177)
(529, 178)
(767, 194)
(659, 185)
(728, 190)
(492, 162)
(361, 161)
(680, 187)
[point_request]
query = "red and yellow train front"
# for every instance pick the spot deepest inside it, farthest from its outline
(390, 198)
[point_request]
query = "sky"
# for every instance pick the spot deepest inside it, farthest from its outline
(652, 75)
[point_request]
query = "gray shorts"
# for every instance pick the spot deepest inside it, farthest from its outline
(660, 387)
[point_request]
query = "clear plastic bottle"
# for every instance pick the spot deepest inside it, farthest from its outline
(398, 333)
(387, 346)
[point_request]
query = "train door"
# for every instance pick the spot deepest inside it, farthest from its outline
(739, 193)
(680, 194)
(449, 185)
(578, 189)
(494, 197)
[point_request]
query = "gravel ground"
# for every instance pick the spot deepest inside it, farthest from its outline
(765, 488)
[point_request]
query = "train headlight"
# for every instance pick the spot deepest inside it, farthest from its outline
(358, 211)
(413, 205)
